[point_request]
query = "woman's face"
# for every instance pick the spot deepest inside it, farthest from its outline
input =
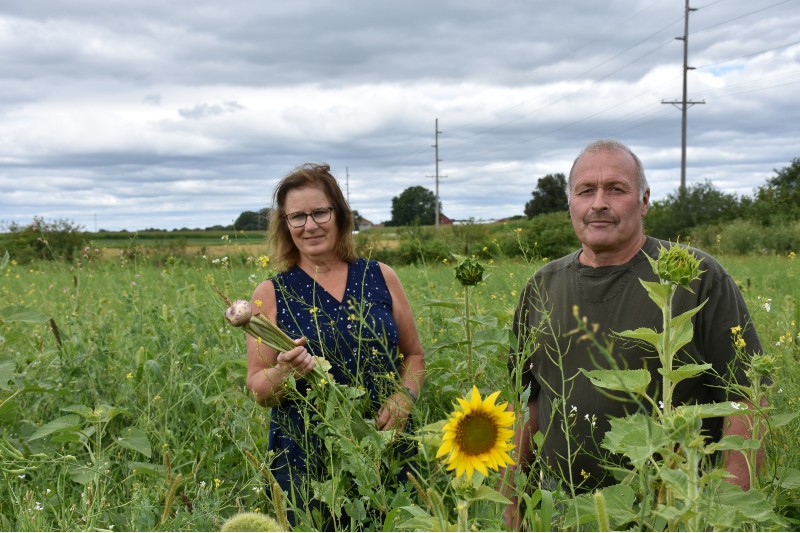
(313, 240)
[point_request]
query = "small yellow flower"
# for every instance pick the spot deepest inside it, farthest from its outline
(740, 343)
(314, 310)
(258, 303)
(156, 397)
(586, 475)
(518, 230)
(130, 375)
(217, 482)
(736, 329)
(264, 260)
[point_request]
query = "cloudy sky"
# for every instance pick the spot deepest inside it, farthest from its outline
(123, 114)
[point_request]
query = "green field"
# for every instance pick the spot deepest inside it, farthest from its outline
(124, 404)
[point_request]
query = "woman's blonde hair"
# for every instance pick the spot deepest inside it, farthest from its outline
(282, 248)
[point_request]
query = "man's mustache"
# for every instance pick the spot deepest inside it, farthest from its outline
(590, 218)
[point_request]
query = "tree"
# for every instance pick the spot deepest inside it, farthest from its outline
(252, 220)
(550, 196)
(779, 199)
(415, 206)
(701, 203)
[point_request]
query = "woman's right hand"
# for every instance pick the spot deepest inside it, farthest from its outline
(297, 361)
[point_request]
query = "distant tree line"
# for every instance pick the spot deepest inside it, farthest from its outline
(702, 204)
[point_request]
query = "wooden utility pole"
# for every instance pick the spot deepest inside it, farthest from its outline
(684, 103)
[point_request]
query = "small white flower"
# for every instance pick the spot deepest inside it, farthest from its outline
(202, 483)
(573, 409)
(660, 404)
(737, 405)
(21, 476)
(38, 506)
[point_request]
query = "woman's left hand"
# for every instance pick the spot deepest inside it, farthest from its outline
(395, 411)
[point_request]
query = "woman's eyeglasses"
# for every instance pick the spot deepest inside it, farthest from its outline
(299, 218)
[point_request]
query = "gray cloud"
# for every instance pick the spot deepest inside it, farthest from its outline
(142, 114)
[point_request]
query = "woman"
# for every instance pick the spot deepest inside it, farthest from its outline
(321, 296)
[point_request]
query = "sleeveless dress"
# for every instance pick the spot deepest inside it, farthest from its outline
(358, 336)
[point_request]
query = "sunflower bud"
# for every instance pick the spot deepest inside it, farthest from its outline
(677, 265)
(251, 522)
(469, 271)
(239, 313)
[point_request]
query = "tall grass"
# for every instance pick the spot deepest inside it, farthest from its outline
(124, 403)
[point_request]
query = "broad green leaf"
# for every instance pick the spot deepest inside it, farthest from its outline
(135, 439)
(636, 436)
(658, 292)
(733, 442)
(68, 436)
(8, 409)
(82, 474)
(444, 303)
(648, 335)
(619, 504)
(22, 314)
(789, 478)
(750, 505)
(148, 469)
(676, 480)
(635, 381)
(776, 421)
(59, 425)
(684, 372)
(490, 495)
(713, 410)
(6, 373)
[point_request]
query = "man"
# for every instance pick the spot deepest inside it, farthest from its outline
(608, 199)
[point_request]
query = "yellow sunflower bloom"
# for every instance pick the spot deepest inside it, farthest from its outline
(477, 436)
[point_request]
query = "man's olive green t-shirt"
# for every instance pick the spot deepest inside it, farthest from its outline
(613, 298)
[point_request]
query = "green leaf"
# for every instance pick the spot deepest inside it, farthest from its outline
(21, 314)
(82, 474)
(714, 410)
(490, 495)
(135, 439)
(677, 480)
(648, 335)
(684, 372)
(8, 408)
(6, 373)
(619, 504)
(789, 478)
(148, 469)
(635, 381)
(636, 436)
(782, 419)
(733, 442)
(59, 425)
(444, 303)
(4, 262)
(658, 292)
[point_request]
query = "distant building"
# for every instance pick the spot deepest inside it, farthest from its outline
(443, 219)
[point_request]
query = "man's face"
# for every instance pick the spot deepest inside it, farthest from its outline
(604, 206)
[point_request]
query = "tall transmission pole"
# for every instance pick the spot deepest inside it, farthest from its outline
(347, 183)
(684, 103)
(436, 147)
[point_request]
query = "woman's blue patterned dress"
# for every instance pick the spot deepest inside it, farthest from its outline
(358, 336)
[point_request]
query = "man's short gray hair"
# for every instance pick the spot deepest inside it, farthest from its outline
(610, 145)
